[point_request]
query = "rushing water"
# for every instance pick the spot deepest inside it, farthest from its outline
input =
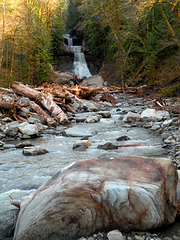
(21, 175)
(80, 65)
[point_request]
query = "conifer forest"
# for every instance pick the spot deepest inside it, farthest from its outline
(138, 40)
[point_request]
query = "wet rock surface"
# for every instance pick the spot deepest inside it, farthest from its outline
(90, 195)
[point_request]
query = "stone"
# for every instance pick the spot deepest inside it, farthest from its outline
(7, 223)
(155, 127)
(107, 146)
(104, 114)
(23, 100)
(81, 145)
(24, 112)
(23, 144)
(132, 117)
(93, 81)
(80, 131)
(1, 144)
(123, 138)
(131, 193)
(8, 146)
(6, 119)
(11, 131)
(152, 113)
(165, 136)
(89, 106)
(34, 151)
(36, 119)
(115, 235)
(92, 119)
(166, 123)
(28, 129)
(170, 140)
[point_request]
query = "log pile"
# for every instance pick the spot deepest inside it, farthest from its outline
(52, 101)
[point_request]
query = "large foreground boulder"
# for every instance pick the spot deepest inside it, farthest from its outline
(128, 193)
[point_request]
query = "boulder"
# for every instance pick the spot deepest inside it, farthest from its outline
(93, 81)
(152, 113)
(61, 78)
(105, 114)
(28, 129)
(115, 235)
(7, 223)
(34, 151)
(129, 193)
(107, 146)
(80, 131)
(92, 119)
(81, 145)
(132, 117)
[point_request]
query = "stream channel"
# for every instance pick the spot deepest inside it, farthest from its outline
(21, 175)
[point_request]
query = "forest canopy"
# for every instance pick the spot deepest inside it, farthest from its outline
(139, 38)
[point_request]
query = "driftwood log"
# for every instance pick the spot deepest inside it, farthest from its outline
(44, 99)
(50, 121)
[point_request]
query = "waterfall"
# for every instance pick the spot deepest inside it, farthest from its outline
(80, 65)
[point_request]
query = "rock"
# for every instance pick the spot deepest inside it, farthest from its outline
(33, 151)
(80, 131)
(8, 146)
(6, 119)
(155, 127)
(36, 119)
(28, 129)
(92, 119)
(115, 235)
(89, 106)
(23, 100)
(1, 144)
(131, 193)
(123, 138)
(24, 144)
(61, 77)
(7, 223)
(166, 123)
(152, 113)
(81, 145)
(132, 117)
(94, 81)
(25, 112)
(107, 146)
(165, 136)
(169, 140)
(11, 131)
(104, 114)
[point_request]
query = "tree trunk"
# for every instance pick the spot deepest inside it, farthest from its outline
(45, 100)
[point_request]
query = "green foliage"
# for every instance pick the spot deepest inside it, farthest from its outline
(95, 38)
(72, 15)
(170, 91)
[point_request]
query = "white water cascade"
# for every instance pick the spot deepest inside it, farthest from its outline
(80, 65)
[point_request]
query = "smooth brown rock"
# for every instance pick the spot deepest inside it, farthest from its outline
(125, 193)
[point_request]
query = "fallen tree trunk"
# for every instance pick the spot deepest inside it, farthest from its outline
(45, 100)
(50, 121)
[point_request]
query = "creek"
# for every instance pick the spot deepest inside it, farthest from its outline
(22, 175)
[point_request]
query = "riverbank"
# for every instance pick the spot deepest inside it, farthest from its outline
(91, 114)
